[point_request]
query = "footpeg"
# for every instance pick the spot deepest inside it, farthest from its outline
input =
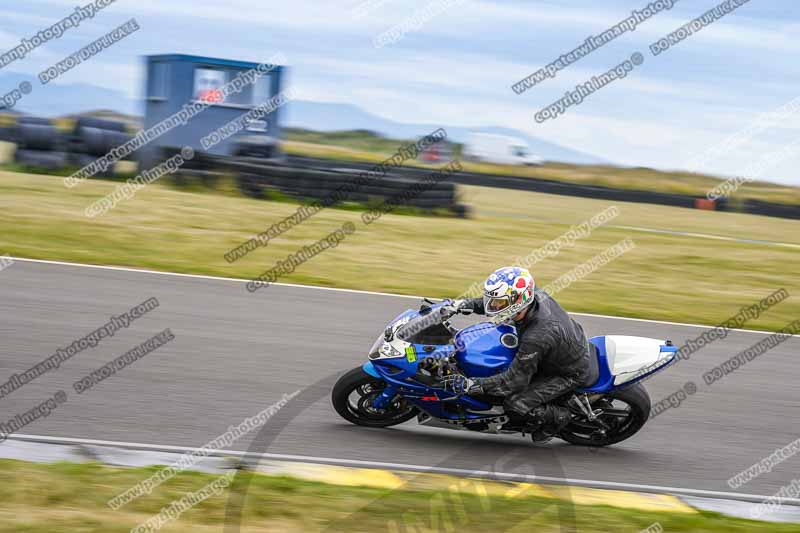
(586, 407)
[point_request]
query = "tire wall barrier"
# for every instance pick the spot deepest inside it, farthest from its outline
(38, 137)
(42, 158)
(98, 142)
(34, 120)
(759, 207)
(7, 134)
(255, 178)
(403, 192)
(92, 138)
(99, 123)
(750, 206)
(41, 144)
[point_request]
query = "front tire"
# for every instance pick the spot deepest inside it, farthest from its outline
(631, 406)
(352, 397)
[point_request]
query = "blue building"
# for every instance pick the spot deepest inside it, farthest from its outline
(176, 80)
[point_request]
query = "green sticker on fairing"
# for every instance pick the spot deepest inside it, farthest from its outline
(411, 354)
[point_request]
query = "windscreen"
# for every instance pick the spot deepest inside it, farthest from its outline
(417, 325)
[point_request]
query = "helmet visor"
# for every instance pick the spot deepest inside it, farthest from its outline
(496, 304)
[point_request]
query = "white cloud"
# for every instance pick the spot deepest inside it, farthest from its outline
(7, 40)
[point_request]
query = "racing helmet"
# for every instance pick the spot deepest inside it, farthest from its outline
(508, 291)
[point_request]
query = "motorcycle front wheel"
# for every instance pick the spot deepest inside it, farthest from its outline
(353, 395)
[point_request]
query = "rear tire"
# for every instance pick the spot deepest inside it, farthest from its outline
(352, 395)
(638, 402)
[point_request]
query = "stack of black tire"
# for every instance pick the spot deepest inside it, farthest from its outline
(202, 169)
(7, 134)
(257, 146)
(39, 144)
(759, 207)
(332, 188)
(92, 138)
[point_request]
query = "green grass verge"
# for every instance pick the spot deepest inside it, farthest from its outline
(50, 498)
(666, 277)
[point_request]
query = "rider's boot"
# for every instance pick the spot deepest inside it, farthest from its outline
(548, 420)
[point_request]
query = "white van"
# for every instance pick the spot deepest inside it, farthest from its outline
(500, 149)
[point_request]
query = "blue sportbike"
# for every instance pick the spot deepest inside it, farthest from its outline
(416, 353)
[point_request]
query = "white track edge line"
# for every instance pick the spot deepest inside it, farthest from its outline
(353, 291)
(609, 485)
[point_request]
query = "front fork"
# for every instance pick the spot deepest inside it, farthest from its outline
(385, 398)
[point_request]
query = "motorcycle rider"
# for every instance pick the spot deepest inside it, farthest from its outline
(552, 358)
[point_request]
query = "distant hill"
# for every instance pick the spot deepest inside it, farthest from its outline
(338, 117)
(54, 100)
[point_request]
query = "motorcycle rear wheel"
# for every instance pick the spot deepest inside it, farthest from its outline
(626, 412)
(352, 397)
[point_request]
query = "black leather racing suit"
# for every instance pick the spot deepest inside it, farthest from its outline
(552, 358)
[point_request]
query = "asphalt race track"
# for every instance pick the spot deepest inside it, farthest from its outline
(235, 353)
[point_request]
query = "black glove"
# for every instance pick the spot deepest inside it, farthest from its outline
(454, 307)
(460, 384)
(448, 308)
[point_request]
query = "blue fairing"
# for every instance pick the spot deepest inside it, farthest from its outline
(606, 381)
(369, 368)
(399, 373)
(396, 371)
(480, 353)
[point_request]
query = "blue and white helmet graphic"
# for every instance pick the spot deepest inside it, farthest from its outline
(508, 291)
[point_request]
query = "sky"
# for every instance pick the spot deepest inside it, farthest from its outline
(456, 67)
